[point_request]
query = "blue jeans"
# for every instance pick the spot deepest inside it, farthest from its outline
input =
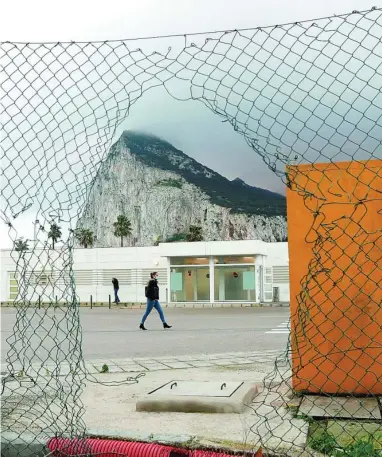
(150, 305)
(116, 298)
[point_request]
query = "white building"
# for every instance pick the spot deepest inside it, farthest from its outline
(218, 271)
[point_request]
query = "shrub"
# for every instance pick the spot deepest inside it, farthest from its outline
(170, 182)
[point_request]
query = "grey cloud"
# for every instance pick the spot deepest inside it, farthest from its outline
(310, 91)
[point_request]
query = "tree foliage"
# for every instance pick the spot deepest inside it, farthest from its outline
(54, 233)
(195, 233)
(177, 237)
(85, 237)
(21, 245)
(122, 227)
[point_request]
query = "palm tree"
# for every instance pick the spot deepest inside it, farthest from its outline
(85, 237)
(122, 227)
(54, 233)
(157, 239)
(20, 245)
(194, 233)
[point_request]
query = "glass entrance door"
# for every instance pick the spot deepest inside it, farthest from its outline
(190, 284)
(235, 283)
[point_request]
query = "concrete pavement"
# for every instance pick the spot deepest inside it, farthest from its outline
(145, 364)
(110, 410)
(261, 360)
(113, 334)
(228, 344)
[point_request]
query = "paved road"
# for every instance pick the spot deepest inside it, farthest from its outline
(114, 334)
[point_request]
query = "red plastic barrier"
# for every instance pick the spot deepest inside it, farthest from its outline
(106, 448)
(65, 447)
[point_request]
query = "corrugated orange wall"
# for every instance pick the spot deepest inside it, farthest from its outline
(335, 261)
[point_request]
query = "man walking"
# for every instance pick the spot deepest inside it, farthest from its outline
(152, 295)
(116, 289)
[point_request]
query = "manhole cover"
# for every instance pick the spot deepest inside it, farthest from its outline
(198, 389)
(199, 397)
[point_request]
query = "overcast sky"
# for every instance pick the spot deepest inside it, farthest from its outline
(189, 126)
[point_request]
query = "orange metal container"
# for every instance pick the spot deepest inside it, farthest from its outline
(335, 264)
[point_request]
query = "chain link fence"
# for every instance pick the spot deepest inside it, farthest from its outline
(300, 94)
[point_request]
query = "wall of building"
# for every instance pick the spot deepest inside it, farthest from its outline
(215, 248)
(94, 269)
(276, 261)
(131, 266)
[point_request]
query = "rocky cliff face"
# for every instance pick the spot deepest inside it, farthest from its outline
(163, 191)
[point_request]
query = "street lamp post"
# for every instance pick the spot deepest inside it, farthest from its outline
(137, 210)
(35, 223)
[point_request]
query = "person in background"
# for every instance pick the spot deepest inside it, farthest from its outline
(116, 289)
(152, 295)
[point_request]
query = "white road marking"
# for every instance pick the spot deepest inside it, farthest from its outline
(281, 329)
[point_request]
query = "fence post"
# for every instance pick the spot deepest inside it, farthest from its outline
(91, 301)
(109, 301)
(39, 302)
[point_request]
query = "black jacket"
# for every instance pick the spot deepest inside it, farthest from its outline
(115, 283)
(152, 290)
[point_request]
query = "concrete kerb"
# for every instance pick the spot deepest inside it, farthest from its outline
(190, 442)
(164, 305)
(22, 445)
(26, 445)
